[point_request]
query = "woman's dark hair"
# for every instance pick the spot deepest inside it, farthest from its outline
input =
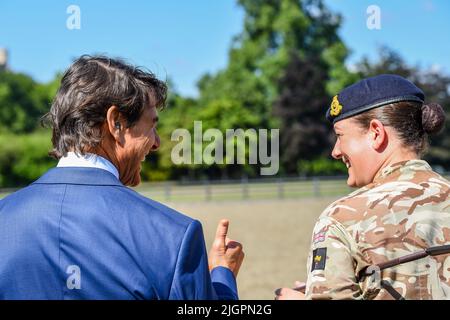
(88, 88)
(412, 121)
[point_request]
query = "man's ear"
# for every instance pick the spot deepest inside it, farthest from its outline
(378, 135)
(115, 123)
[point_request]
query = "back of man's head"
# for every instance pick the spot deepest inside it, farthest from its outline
(90, 86)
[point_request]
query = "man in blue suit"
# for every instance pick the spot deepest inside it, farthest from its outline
(78, 232)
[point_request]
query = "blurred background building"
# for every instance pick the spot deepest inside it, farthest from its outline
(3, 58)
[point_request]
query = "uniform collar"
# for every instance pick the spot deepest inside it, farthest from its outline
(402, 167)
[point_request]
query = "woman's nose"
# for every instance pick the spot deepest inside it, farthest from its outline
(336, 153)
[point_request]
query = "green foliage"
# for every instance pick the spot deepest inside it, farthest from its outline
(283, 68)
(24, 157)
(321, 167)
(23, 101)
(275, 36)
(304, 131)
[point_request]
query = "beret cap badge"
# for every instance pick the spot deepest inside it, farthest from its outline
(336, 107)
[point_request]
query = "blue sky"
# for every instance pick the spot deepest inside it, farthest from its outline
(185, 39)
(418, 29)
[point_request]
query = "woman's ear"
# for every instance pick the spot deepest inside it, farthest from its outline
(115, 124)
(377, 135)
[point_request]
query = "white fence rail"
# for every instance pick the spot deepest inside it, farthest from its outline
(220, 190)
(245, 189)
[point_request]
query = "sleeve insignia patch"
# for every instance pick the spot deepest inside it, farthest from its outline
(320, 235)
(319, 259)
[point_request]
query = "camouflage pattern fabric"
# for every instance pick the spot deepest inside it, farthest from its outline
(404, 210)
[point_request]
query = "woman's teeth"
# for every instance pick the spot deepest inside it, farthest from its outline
(347, 163)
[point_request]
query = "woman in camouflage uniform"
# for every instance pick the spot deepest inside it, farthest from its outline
(382, 127)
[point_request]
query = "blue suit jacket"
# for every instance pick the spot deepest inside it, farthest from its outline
(78, 233)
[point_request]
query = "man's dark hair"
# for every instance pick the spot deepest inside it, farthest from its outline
(88, 88)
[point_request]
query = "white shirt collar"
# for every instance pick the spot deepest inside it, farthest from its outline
(89, 160)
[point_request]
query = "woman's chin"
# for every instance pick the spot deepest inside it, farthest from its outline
(351, 181)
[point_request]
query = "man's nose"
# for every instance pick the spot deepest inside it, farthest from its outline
(157, 143)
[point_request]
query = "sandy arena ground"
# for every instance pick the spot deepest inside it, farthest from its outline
(275, 235)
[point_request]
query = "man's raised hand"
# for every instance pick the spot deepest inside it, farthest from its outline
(224, 251)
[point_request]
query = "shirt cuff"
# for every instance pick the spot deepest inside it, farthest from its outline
(224, 282)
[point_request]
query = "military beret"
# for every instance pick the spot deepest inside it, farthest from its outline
(372, 93)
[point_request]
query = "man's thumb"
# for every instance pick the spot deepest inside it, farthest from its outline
(221, 233)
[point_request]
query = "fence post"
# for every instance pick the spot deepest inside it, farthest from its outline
(244, 184)
(167, 191)
(316, 186)
(207, 190)
(280, 188)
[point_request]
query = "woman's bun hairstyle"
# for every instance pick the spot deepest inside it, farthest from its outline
(433, 118)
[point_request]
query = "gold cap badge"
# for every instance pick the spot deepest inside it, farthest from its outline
(336, 107)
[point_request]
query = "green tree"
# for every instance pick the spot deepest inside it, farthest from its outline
(23, 145)
(279, 35)
(301, 106)
(23, 101)
(24, 157)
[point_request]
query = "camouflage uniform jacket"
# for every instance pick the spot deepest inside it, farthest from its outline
(404, 210)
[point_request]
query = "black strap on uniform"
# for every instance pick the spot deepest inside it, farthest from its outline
(432, 251)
